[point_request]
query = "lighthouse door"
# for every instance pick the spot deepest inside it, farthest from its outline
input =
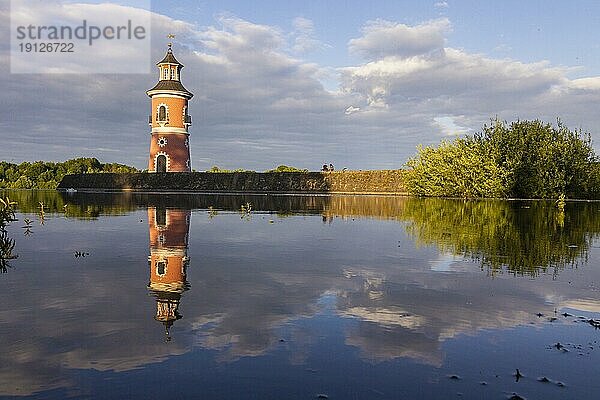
(161, 163)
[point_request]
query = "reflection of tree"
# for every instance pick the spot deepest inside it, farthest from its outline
(523, 237)
(82, 207)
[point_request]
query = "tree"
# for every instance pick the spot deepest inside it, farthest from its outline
(47, 175)
(541, 161)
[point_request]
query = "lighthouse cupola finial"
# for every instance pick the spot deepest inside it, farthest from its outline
(170, 44)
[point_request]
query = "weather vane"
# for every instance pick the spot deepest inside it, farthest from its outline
(170, 36)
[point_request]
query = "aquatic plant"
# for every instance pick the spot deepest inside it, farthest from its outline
(245, 210)
(7, 212)
(212, 212)
(7, 245)
(560, 203)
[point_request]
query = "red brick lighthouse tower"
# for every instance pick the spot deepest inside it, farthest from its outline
(169, 119)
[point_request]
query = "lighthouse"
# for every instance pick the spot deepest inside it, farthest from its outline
(168, 261)
(169, 119)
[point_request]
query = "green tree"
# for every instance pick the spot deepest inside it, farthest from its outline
(541, 161)
(47, 175)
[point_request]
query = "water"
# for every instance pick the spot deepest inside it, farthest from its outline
(174, 296)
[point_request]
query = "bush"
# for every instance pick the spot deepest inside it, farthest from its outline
(462, 168)
(526, 159)
(285, 168)
(216, 169)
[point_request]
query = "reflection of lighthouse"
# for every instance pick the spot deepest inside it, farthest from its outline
(168, 261)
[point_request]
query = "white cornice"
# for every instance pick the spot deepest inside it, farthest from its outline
(167, 129)
(169, 93)
(169, 252)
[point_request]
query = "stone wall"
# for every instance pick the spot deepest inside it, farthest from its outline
(383, 181)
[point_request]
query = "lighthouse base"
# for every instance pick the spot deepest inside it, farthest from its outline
(169, 153)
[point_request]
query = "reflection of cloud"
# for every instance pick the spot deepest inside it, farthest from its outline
(377, 344)
(590, 305)
(419, 310)
(386, 316)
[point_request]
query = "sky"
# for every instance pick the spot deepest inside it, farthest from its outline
(303, 83)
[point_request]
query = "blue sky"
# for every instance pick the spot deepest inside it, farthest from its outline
(359, 84)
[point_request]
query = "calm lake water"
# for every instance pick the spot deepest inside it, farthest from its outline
(188, 296)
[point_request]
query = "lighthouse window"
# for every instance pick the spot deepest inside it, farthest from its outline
(173, 73)
(161, 216)
(165, 73)
(162, 141)
(161, 268)
(162, 113)
(161, 163)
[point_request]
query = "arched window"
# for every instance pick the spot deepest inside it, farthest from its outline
(162, 113)
(161, 163)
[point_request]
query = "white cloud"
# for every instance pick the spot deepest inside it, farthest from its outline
(441, 4)
(449, 126)
(32, 22)
(351, 110)
(304, 39)
(385, 38)
(437, 86)
(591, 84)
